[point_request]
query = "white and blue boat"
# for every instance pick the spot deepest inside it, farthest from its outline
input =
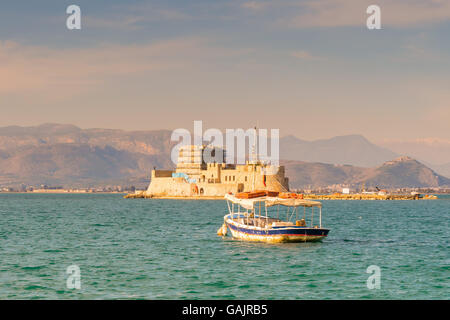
(260, 219)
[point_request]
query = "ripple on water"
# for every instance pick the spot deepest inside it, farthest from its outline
(31, 268)
(165, 249)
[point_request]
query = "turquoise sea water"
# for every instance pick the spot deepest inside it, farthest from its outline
(168, 249)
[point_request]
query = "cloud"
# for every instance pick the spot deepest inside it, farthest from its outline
(56, 71)
(304, 55)
(128, 23)
(433, 141)
(133, 17)
(430, 141)
(33, 68)
(431, 149)
(342, 13)
(255, 5)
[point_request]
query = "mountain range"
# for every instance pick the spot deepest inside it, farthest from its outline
(65, 155)
(402, 172)
(434, 153)
(351, 149)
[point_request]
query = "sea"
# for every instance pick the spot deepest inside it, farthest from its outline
(102, 246)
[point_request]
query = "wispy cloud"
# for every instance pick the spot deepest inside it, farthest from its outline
(420, 47)
(35, 68)
(430, 141)
(341, 13)
(431, 149)
(255, 5)
(133, 17)
(304, 55)
(123, 23)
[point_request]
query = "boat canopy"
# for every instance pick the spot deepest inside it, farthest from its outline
(292, 202)
(272, 201)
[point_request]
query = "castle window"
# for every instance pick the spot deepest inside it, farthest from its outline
(234, 178)
(225, 178)
(245, 178)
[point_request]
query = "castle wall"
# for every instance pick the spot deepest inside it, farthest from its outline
(217, 182)
(168, 187)
(198, 178)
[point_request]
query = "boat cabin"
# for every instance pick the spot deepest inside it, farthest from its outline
(271, 212)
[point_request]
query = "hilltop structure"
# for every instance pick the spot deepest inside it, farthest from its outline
(195, 176)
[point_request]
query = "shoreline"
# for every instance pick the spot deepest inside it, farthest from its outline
(306, 197)
(141, 196)
(62, 192)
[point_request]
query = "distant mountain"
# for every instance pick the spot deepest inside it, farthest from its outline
(405, 172)
(152, 142)
(65, 155)
(73, 164)
(351, 149)
(59, 154)
(443, 169)
(433, 152)
(399, 173)
(312, 174)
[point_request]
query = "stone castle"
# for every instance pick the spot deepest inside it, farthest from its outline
(195, 176)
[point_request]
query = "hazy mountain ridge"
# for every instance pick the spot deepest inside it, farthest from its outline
(408, 172)
(72, 164)
(435, 153)
(403, 172)
(312, 174)
(66, 155)
(431, 150)
(443, 169)
(352, 149)
(147, 142)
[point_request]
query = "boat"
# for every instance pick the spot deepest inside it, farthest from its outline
(259, 219)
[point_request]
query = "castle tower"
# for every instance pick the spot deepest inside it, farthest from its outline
(190, 160)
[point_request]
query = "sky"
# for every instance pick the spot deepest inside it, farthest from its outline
(310, 68)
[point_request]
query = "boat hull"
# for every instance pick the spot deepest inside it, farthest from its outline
(276, 234)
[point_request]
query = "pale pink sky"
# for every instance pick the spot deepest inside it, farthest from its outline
(309, 68)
